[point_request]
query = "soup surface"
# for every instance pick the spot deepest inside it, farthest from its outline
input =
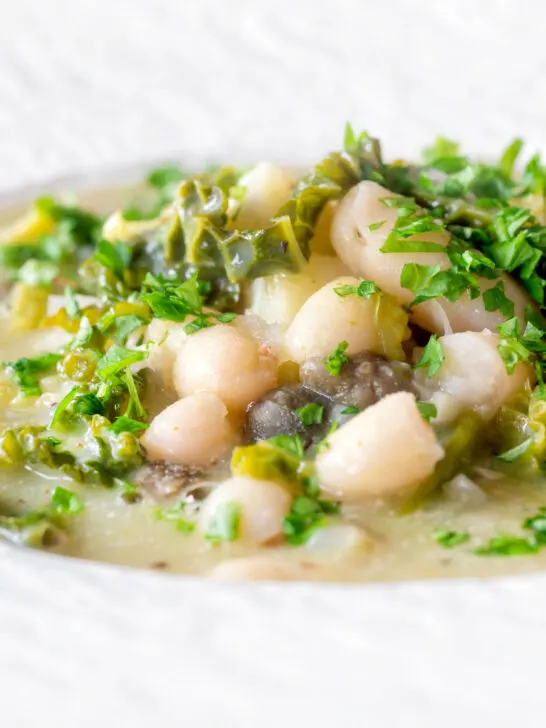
(251, 374)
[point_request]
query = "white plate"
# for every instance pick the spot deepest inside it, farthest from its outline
(94, 83)
(156, 648)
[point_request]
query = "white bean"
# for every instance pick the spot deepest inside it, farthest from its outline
(359, 248)
(384, 451)
(474, 373)
(263, 507)
(223, 360)
(267, 188)
(262, 568)
(193, 431)
(326, 319)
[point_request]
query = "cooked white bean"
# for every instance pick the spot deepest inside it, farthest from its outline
(263, 568)
(386, 450)
(359, 247)
(263, 506)
(267, 188)
(193, 431)
(474, 373)
(326, 319)
(223, 360)
(338, 541)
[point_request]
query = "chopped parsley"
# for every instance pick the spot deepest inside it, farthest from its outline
(177, 516)
(350, 410)
(224, 523)
(507, 545)
(310, 414)
(428, 410)
(118, 358)
(450, 539)
(126, 424)
(305, 517)
(432, 356)
(292, 444)
(503, 544)
(176, 301)
(26, 372)
(117, 256)
(65, 501)
(494, 299)
(364, 289)
(337, 359)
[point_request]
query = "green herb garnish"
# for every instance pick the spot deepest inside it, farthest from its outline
(432, 356)
(310, 414)
(224, 523)
(337, 359)
(450, 539)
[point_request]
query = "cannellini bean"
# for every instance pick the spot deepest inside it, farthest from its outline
(223, 360)
(262, 568)
(267, 188)
(278, 298)
(359, 248)
(193, 431)
(474, 373)
(263, 507)
(339, 541)
(384, 451)
(165, 339)
(326, 319)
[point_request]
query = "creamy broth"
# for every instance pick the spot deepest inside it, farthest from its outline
(402, 494)
(393, 547)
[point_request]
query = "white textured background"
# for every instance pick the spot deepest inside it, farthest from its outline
(92, 83)
(97, 82)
